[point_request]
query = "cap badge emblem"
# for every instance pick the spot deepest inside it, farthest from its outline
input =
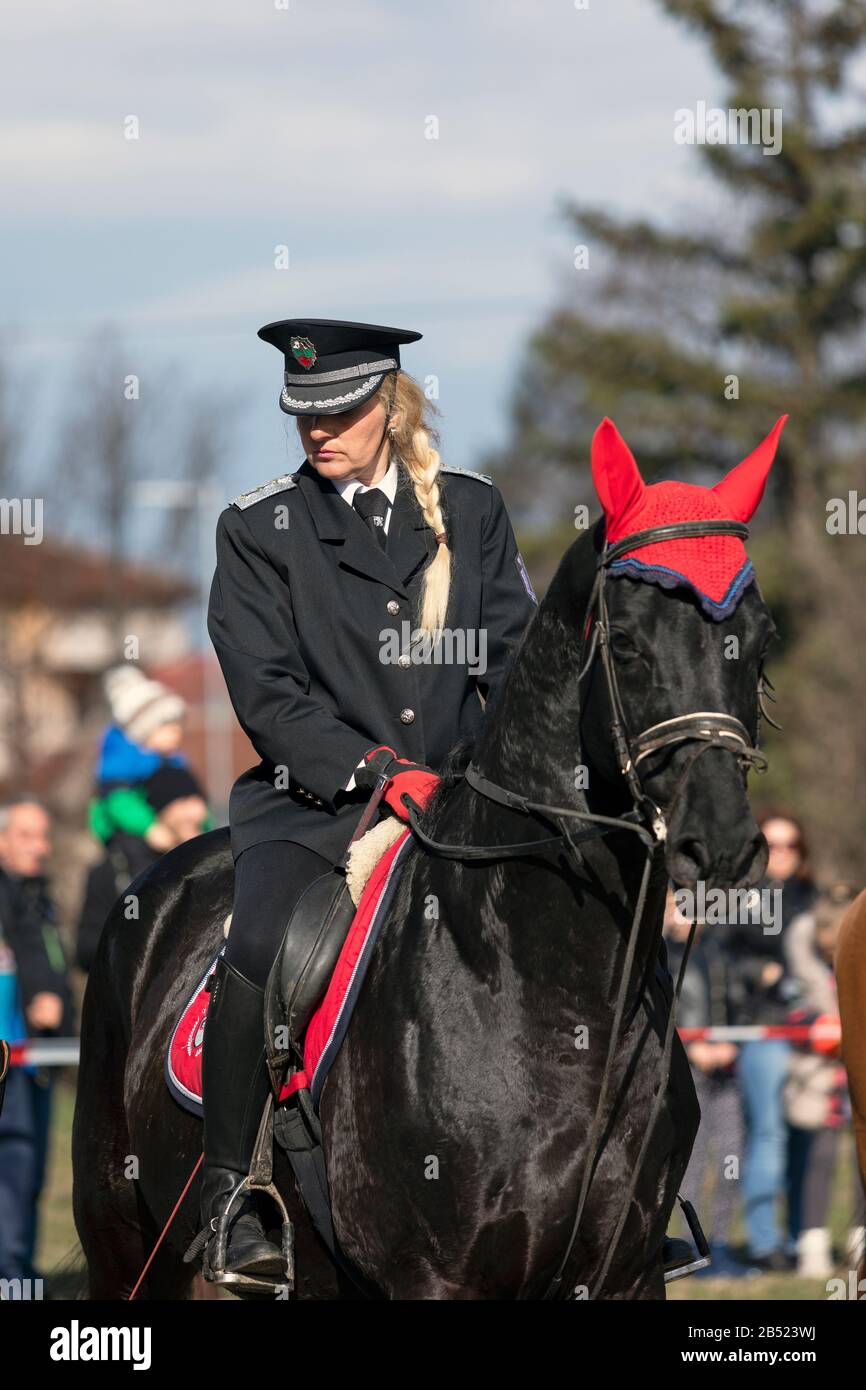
(304, 352)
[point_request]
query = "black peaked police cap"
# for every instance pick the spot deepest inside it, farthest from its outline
(331, 365)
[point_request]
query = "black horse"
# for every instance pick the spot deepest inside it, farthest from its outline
(457, 1115)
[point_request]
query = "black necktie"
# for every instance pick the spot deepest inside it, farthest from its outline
(373, 506)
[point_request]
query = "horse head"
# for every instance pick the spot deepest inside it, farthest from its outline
(686, 632)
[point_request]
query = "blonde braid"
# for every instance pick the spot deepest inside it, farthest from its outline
(415, 454)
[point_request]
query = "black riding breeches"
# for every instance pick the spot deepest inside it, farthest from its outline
(269, 879)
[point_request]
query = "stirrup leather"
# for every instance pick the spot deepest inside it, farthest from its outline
(691, 1260)
(212, 1241)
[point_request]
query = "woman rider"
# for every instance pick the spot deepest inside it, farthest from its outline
(331, 585)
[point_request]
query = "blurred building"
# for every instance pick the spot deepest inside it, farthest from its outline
(64, 613)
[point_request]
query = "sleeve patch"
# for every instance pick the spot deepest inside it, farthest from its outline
(524, 575)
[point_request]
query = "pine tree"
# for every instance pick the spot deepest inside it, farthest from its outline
(695, 338)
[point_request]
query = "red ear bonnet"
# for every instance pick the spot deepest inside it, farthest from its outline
(742, 489)
(717, 568)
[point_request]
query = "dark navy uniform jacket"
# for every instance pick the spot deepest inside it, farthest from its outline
(306, 615)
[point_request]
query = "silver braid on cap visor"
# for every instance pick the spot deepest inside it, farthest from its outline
(366, 389)
(341, 374)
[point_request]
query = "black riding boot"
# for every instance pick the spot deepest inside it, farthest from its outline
(235, 1087)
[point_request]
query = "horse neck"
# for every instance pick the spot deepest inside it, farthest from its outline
(531, 740)
(531, 736)
(531, 745)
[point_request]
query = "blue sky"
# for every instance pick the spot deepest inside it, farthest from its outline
(262, 126)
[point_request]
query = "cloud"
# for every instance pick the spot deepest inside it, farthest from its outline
(86, 169)
(306, 128)
(317, 112)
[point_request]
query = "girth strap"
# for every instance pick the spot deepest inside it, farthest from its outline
(299, 1134)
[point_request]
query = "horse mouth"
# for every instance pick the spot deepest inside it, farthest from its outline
(692, 862)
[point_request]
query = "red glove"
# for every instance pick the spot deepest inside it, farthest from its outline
(405, 778)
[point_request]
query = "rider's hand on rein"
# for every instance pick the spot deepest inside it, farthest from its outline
(405, 779)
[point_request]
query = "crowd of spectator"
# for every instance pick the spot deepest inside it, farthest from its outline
(773, 1108)
(145, 802)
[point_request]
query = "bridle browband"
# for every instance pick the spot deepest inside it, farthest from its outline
(707, 728)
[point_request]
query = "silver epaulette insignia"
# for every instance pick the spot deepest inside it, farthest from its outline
(282, 484)
(467, 472)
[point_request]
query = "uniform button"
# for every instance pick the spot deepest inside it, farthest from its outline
(407, 716)
(404, 661)
(393, 607)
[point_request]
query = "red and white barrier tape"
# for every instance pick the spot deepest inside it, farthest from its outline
(823, 1033)
(826, 1031)
(45, 1052)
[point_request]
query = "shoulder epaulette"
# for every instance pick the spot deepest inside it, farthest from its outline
(282, 484)
(467, 473)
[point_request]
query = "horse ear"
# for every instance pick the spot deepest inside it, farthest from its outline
(618, 483)
(742, 489)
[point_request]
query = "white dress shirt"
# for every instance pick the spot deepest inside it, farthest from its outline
(347, 490)
(348, 487)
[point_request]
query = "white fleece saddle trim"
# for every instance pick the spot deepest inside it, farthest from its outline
(366, 853)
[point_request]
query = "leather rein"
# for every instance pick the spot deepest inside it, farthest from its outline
(707, 728)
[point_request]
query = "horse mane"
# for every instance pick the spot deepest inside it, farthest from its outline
(552, 639)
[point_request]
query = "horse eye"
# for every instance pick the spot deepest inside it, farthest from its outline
(621, 644)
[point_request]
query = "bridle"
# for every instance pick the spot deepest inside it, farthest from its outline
(706, 728)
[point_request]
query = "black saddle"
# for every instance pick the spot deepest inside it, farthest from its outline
(314, 936)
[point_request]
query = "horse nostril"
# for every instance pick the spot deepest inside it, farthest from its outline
(691, 861)
(687, 862)
(757, 864)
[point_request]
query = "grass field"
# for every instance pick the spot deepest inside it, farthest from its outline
(58, 1237)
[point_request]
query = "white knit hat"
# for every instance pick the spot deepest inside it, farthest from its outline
(140, 706)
